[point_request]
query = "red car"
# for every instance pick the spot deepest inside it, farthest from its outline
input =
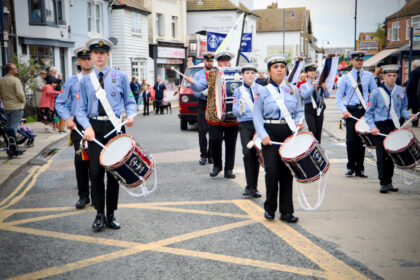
(187, 100)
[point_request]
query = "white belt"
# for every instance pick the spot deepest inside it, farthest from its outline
(101, 118)
(276, 121)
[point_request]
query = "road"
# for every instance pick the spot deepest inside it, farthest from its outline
(197, 227)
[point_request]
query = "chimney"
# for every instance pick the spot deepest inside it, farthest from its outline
(273, 5)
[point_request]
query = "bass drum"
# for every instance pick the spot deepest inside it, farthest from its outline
(227, 80)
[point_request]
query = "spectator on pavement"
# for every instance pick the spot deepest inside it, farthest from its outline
(39, 84)
(261, 79)
(146, 99)
(46, 104)
(302, 80)
(160, 92)
(413, 90)
(135, 89)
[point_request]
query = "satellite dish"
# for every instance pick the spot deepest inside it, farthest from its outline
(113, 40)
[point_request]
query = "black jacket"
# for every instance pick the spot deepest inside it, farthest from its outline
(413, 89)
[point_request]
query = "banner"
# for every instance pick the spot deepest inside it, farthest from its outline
(215, 39)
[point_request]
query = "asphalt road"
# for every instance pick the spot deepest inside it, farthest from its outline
(191, 227)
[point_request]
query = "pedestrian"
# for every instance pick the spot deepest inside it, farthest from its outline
(14, 100)
(96, 121)
(135, 89)
(202, 125)
(261, 79)
(243, 108)
(313, 98)
(46, 104)
(351, 99)
(39, 84)
(160, 92)
(273, 123)
(387, 104)
(378, 76)
(71, 95)
(413, 89)
(302, 79)
(146, 98)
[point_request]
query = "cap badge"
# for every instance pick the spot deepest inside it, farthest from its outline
(101, 44)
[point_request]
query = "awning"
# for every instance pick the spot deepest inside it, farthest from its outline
(374, 60)
(45, 42)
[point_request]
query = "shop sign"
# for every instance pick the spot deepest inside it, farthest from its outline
(169, 61)
(171, 52)
(366, 45)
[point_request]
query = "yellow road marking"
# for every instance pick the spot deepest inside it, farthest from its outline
(301, 243)
(194, 211)
(41, 218)
(135, 205)
(396, 170)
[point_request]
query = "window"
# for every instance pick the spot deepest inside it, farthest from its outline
(407, 29)
(389, 34)
(94, 17)
(415, 21)
(98, 18)
(174, 25)
(35, 11)
(160, 25)
(139, 70)
(395, 31)
(60, 12)
(136, 23)
(89, 16)
(50, 11)
(42, 55)
(46, 12)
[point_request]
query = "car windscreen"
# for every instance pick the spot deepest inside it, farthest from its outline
(190, 73)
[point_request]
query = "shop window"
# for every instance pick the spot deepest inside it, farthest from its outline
(46, 12)
(135, 23)
(43, 55)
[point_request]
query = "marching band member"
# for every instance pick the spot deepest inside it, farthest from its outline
(97, 122)
(277, 112)
(243, 108)
(70, 94)
(201, 94)
(354, 88)
(387, 104)
(314, 101)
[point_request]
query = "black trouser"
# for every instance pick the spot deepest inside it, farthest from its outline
(355, 147)
(252, 166)
(203, 128)
(384, 162)
(314, 122)
(81, 166)
(158, 105)
(217, 134)
(146, 107)
(277, 174)
(97, 172)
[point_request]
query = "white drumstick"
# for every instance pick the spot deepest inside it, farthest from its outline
(381, 134)
(94, 140)
(115, 129)
(297, 130)
(409, 121)
(173, 69)
(252, 142)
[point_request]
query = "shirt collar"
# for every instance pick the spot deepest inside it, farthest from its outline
(103, 71)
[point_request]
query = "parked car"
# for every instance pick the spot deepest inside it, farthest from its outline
(187, 101)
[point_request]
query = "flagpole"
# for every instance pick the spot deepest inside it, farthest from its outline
(240, 44)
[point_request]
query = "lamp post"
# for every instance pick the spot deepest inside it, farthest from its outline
(355, 23)
(284, 28)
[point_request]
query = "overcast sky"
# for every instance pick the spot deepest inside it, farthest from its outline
(333, 20)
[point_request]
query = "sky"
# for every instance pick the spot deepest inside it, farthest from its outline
(333, 20)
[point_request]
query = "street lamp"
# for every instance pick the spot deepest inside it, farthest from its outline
(355, 23)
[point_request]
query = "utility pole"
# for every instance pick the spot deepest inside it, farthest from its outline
(3, 48)
(355, 24)
(284, 28)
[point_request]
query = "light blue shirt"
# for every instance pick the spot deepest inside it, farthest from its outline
(307, 91)
(345, 89)
(200, 84)
(69, 95)
(377, 111)
(117, 91)
(265, 107)
(237, 94)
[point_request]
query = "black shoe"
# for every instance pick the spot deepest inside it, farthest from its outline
(256, 193)
(289, 218)
(391, 188)
(99, 222)
(202, 161)
(210, 160)
(216, 171)
(268, 215)
(229, 174)
(247, 191)
(361, 174)
(111, 222)
(384, 189)
(82, 203)
(349, 172)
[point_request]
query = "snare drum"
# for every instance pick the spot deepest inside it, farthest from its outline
(403, 147)
(363, 130)
(227, 80)
(258, 148)
(126, 160)
(304, 157)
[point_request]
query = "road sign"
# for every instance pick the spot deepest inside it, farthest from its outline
(416, 34)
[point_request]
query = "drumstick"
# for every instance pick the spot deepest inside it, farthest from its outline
(296, 132)
(94, 140)
(381, 134)
(173, 69)
(409, 121)
(252, 142)
(115, 129)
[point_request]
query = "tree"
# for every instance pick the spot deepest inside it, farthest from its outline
(380, 34)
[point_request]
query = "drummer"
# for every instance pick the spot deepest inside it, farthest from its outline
(314, 101)
(272, 123)
(243, 108)
(97, 123)
(383, 118)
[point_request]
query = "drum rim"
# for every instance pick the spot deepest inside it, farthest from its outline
(300, 156)
(128, 154)
(402, 149)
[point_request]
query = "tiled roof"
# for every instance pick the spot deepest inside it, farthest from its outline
(132, 4)
(215, 5)
(411, 8)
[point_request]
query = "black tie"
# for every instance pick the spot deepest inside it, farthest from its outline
(101, 110)
(252, 95)
(359, 83)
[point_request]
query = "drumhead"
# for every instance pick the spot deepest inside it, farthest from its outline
(117, 150)
(301, 144)
(398, 140)
(362, 126)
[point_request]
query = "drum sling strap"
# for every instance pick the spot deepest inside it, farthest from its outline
(387, 100)
(101, 95)
(279, 98)
(246, 98)
(356, 88)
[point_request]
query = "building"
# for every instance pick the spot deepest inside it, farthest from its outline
(297, 32)
(10, 39)
(219, 17)
(130, 31)
(167, 38)
(43, 32)
(88, 19)
(369, 43)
